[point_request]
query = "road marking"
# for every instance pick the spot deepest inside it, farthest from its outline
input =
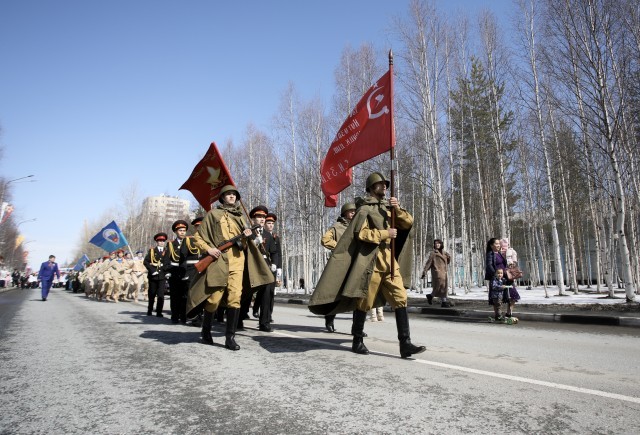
(484, 372)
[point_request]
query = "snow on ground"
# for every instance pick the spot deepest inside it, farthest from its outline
(534, 296)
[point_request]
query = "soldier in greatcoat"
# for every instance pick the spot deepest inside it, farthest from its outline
(223, 277)
(358, 274)
(330, 241)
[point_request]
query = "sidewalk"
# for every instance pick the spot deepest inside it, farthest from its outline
(587, 307)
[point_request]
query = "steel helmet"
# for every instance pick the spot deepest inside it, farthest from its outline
(374, 178)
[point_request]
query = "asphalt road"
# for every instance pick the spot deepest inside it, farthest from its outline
(72, 365)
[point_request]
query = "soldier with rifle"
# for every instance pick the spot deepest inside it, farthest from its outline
(223, 236)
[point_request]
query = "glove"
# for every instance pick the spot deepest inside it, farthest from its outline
(257, 240)
(273, 268)
(154, 273)
(168, 275)
(279, 274)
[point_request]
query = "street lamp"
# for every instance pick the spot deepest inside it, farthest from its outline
(4, 188)
(25, 221)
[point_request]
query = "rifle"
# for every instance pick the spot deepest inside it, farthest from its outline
(205, 261)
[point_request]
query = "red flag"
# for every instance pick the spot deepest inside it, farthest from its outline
(208, 177)
(365, 134)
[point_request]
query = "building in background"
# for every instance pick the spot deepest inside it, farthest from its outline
(166, 209)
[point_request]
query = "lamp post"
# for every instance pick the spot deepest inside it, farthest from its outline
(25, 221)
(4, 189)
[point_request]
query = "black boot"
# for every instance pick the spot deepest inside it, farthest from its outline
(230, 334)
(402, 322)
(206, 327)
(358, 346)
(328, 322)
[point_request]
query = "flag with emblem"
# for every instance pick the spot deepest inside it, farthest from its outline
(109, 238)
(82, 263)
(366, 133)
(208, 177)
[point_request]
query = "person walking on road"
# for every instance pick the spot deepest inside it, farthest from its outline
(48, 270)
(359, 275)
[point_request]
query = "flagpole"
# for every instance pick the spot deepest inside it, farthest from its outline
(392, 154)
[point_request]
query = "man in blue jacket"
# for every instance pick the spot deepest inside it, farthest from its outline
(47, 271)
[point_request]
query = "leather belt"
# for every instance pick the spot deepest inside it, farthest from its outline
(192, 261)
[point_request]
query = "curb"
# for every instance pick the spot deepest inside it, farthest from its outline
(581, 319)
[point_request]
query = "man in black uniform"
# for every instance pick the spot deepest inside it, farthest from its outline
(276, 258)
(264, 242)
(154, 262)
(189, 256)
(176, 273)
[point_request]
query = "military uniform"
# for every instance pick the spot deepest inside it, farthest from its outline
(189, 256)
(358, 274)
(138, 276)
(176, 273)
(330, 241)
(224, 276)
(264, 293)
(154, 263)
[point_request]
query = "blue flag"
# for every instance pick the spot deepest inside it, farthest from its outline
(110, 238)
(80, 265)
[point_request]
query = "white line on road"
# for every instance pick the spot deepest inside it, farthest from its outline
(484, 372)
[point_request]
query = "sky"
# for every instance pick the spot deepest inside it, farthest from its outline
(99, 96)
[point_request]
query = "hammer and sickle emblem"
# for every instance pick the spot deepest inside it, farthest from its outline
(378, 98)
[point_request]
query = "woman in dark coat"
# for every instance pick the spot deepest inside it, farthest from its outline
(493, 248)
(437, 263)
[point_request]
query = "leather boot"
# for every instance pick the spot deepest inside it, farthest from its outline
(206, 327)
(230, 334)
(364, 334)
(402, 322)
(358, 346)
(328, 322)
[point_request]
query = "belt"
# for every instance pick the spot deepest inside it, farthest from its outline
(192, 261)
(175, 264)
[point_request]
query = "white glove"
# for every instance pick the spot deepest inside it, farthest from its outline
(257, 240)
(168, 275)
(279, 274)
(273, 268)
(154, 273)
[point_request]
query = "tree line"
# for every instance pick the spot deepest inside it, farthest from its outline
(528, 131)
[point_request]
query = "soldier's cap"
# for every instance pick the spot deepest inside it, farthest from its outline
(179, 224)
(229, 188)
(257, 211)
(271, 217)
(197, 221)
(105, 257)
(160, 237)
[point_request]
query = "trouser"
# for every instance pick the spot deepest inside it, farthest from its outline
(46, 286)
(178, 299)
(156, 288)
(392, 290)
(265, 304)
(137, 281)
(233, 291)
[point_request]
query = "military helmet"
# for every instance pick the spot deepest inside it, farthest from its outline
(374, 178)
(345, 208)
(229, 188)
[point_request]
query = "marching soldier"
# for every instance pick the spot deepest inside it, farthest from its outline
(358, 274)
(330, 240)
(154, 262)
(268, 250)
(189, 256)
(275, 252)
(138, 277)
(224, 276)
(176, 273)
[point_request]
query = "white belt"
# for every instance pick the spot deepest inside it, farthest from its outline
(175, 264)
(192, 261)
(186, 278)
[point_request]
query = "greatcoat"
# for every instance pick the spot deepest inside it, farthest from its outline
(437, 263)
(346, 277)
(256, 271)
